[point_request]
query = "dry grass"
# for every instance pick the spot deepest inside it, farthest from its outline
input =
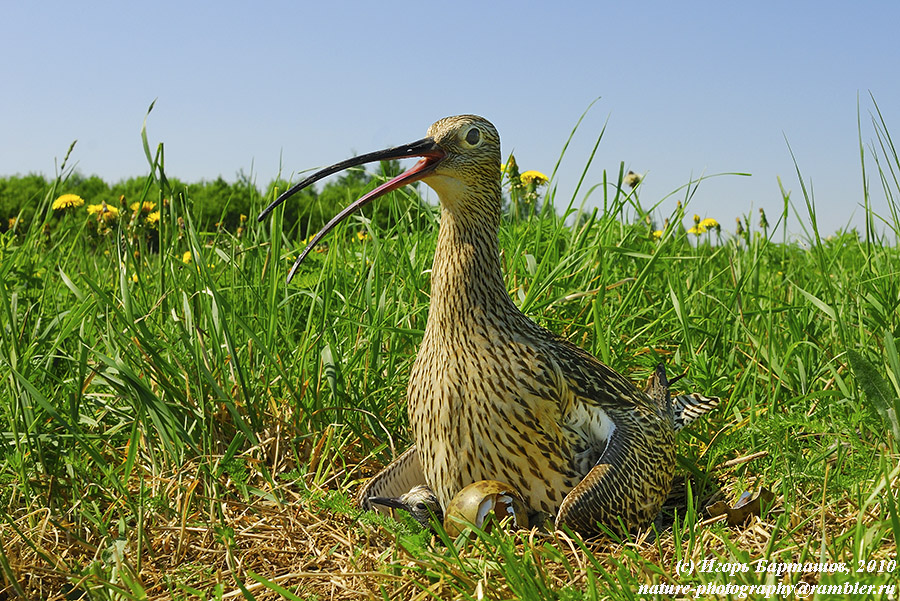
(310, 543)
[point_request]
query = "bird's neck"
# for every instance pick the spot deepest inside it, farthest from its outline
(466, 279)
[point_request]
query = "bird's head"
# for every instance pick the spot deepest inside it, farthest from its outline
(420, 502)
(470, 170)
(459, 159)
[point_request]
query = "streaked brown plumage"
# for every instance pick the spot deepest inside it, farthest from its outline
(494, 396)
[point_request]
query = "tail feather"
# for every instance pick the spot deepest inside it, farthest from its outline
(689, 407)
(658, 388)
(684, 408)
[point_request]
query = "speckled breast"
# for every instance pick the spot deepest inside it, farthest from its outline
(489, 409)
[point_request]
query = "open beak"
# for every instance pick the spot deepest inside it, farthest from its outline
(426, 148)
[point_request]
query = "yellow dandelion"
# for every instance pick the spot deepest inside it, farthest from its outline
(145, 207)
(67, 201)
(153, 219)
(656, 235)
(243, 218)
(535, 177)
(110, 214)
(362, 236)
(696, 219)
(103, 211)
(186, 257)
(12, 222)
(709, 223)
(134, 278)
(697, 230)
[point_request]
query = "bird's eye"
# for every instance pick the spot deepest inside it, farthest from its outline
(420, 506)
(473, 136)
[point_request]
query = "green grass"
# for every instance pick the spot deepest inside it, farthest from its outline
(186, 430)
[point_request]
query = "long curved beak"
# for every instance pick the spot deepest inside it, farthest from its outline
(431, 154)
(390, 502)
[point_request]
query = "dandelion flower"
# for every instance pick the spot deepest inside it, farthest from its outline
(145, 207)
(656, 235)
(103, 211)
(67, 201)
(534, 177)
(362, 236)
(696, 219)
(740, 227)
(134, 278)
(697, 230)
(186, 257)
(110, 214)
(12, 222)
(153, 219)
(709, 223)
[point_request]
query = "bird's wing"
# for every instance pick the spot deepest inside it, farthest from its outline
(628, 484)
(594, 382)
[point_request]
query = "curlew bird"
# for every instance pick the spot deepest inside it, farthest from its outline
(494, 396)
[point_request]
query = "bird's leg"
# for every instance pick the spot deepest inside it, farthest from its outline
(399, 477)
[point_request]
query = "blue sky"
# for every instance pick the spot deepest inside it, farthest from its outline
(687, 89)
